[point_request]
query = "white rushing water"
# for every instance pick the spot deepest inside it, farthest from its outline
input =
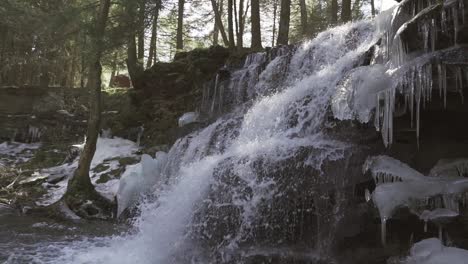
(278, 124)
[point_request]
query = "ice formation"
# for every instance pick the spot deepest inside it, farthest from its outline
(438, 216)
(357, 96)
(188, 118)
(139, 180)
(279, 114)
(431, 251)
(395, 69)
(400, 186)
(450, 168)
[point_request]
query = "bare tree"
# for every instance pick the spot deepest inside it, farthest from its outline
(219, 21)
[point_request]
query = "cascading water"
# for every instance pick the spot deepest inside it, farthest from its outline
(253, 181)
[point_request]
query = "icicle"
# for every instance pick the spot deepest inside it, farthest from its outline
(433, 35)
(141, 129)
(439, 74)
(215, 94)
(412, 97)
(429, 80)
(462, 8)
(383, 231)
(425, 226)
(422, 87)
(390, 118)
(443, 21)
(444, 83)
(418, 106)
(384, 131)
(455, 24)
(377, 114)
(204, 95)
(367, 195)
(400, 50)
(425, 33)
(221, 96)
(459, 80)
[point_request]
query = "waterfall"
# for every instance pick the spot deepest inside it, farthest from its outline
(254, 179)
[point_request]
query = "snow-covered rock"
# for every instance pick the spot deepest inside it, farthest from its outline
(106, 149)
(398, 186)
(188, 118)
(431, 251)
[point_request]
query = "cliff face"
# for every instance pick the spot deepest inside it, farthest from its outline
(421, 116)
(35, 114)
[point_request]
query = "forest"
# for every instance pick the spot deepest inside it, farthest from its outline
(48, 42)
(233, 131)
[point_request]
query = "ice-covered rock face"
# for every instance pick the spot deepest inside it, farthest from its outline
(358, 93)
(421, 51)
(139, 179)
(399, 186)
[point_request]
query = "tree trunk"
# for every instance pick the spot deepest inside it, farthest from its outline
(303, 17)
(215, 30)
(236, 25)
(346, 11)
(232, 43)
(275, 12)
(356, 9)
(113, 70)
(141, 32)
(283, 31)
(334, 12)
(154, 37)
(80, 189)
(240, 33)
(219, 21)
(255, 20)
(133, 65)
(372, 8)
(180, 26)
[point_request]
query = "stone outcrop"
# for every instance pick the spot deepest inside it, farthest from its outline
(32, 114)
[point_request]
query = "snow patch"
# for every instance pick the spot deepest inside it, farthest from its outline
(106, 149)
(431, 251)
